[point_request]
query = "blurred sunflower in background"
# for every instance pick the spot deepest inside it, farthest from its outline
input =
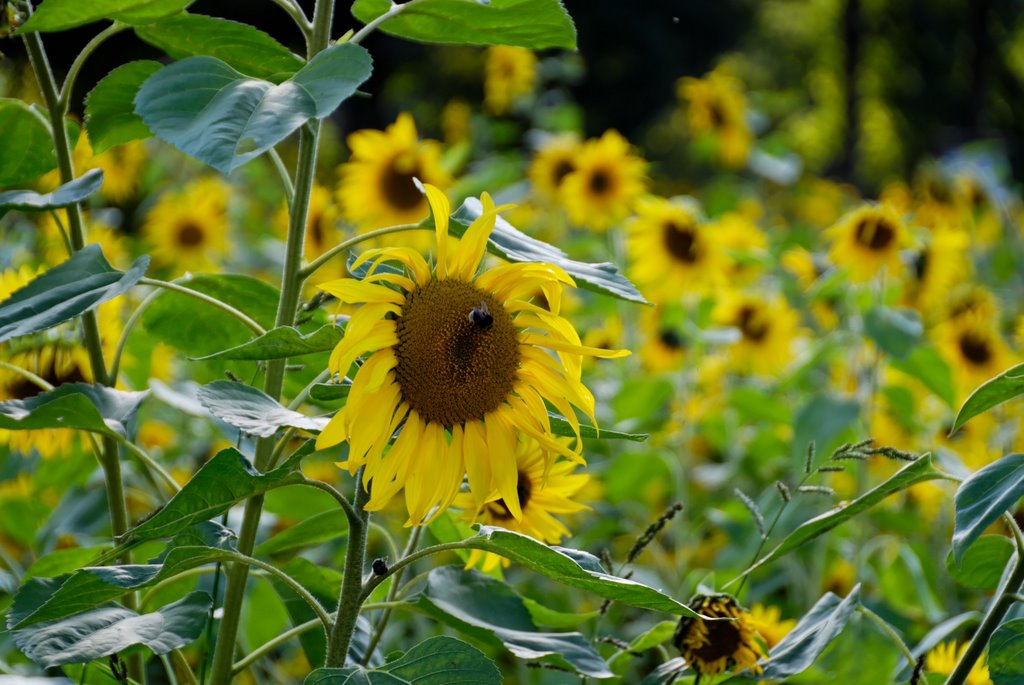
(867, 240)
(767, 330)
(543, 491)
(716, 106)
(509, 75)
(555, 160)
(188, 228)
(974, 350)
(122, 168)
(54, 242)
(768, 622)
(936, 267)
(663, 348)
(462, 363)
(605, 182)
(943, 658)
(713, 647)
(376, 187)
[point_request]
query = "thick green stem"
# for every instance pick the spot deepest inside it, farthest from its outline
(291, 288)
(352, 583)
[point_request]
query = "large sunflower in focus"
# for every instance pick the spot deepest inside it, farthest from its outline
(461, 363)
(188, 228)
(868, 240)
(606, 181)
(377, 186)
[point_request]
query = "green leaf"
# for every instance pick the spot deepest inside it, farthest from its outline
(105, 631)
(918, 471)
(896, 331)
(223, 481)
(253, 411)
(93, 408)
(533, 24)
(61, 561)
(74, 191)
(59, 15)
(561, 426)
(437, 661)
(983, 563)
(574, 568)
(80, 284)
(283, 342)
(1005, 386)
(983, 498)
(212, 112)
(110, 116)
(549, 618)
(241, 46)
(330, 392)
(511, 244)
(802, 646)
(488, 610)
(1006, 654)
(26, 148)
(927, 365)
(197, 328)
(322, 527)
(821, 421)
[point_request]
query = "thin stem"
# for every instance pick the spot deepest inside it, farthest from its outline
(27, 375)
(151, 464)
(377, 606)
(295, 12)
(169, 669)
(63, 231)
(129, 326)
(392, 12)
(282, 171)
(378, 632)
(304, 393)
(353, 515)
(352, 582)
(203, 297)
(270, 645)
(311, 268)
(387, 538)
(884, 626)
(182, 662)
(279, 448)
(76, 66)
(294, 585)
(415, 556)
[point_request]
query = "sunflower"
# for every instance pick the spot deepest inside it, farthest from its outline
(867, 240)
(971, 300)
(718, 107)
(973, 348)
(122, 168)
(456, 121)
(744, 244)
(188, 228)
(664, 347)
(54, 247)
(606, 181)
(542, 492)
(767, 330)
(673, 253)
(555, 160)
(938, 266)
(461, 363)
(943, 658)
(769, 624)
(377, 186)
(509, 74)
(713, 647)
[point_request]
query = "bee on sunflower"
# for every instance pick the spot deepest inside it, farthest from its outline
(509, 75)
(713, 647)
(606, 180)
(461, 363)
(867, 240)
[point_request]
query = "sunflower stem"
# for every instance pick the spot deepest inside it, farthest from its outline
(392, 12)
(311, 268)
(291, 289)
(378, 631)
(295, 12)
(996, 611)
(352, 583)
(64, 98)
(884, 626)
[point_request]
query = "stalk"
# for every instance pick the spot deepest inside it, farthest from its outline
(291, 288)
(352, 582)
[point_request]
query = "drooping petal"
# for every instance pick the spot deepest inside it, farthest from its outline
(505, 477)
(440, 208)
(351, 291)
(477, 459)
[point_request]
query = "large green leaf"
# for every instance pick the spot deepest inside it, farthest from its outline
(533, 24)
(210, 111)
(283, 342)
(59, 15)
(983, 563)
(110, 116)
(241, 46)
(253, 411)
(322, 527)
(918, 471)
(488, 610)
(107, 630)
(80, 284)
(226, 479)
(1005, 386)
(74, 191)
(983, 498)
(1006, 654)
(896, 331)
(802, 646)
(926, 365)
(94, 408)
(820, 421)
(437, 661)
(574, 568)
(508, 242)
(26, 148)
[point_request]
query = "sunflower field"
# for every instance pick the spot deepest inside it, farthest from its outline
(511, 341)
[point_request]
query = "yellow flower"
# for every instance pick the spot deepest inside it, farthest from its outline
(542, 492)
(768, 622)
(745, 246)
(939, 265)
(122, 168)
(974, 349)
(971, 300)
(188, 228)
(456, 120)
(944, 658)
(664, 348)
(461, 363)
(714, 647)
(606, 181)
(801, 264)
(673, 254)
(867, 240)
(376, 187)
(555, 160)
(509, 74)
(717, 106)
(55, 249)
(767, 330)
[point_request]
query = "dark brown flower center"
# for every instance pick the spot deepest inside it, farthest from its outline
(717, 114)
(22, 388)
(724, 640)
(670, 339)
(681, 241)
(524, 488)
(875, 233)
(458, 352)
(753, 323)
(563, 168)
(922, 260)
(190, 235)
(600, 182)
(975, 348)
(398, 187)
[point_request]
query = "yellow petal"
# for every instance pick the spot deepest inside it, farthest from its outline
(351, 291)
(501, 441)
(440, 208)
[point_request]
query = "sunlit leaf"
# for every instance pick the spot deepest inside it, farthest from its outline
(983, 498)
(110, 116)
(253, 411)
(59, 15)
(1005, 386)
(561, 426)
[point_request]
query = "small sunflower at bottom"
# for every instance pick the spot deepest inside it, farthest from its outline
(714, 647)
